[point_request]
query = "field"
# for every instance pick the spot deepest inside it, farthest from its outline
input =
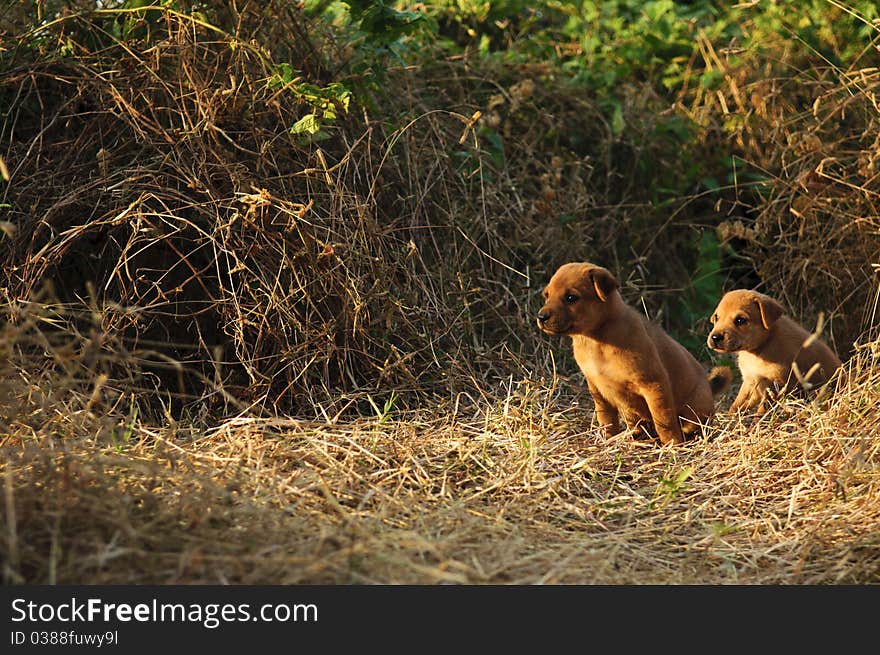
(270, 273)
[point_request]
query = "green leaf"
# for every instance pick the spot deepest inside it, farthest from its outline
(617, 122)
(710, 183)
(711, 79)
(308, 124)
(287, 72)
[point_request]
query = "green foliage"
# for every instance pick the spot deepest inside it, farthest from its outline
(374, 29)
(386, 412)
(670, 46)
(706, 287)
(138, 24)
(327, 102)
(381, 23)
(671, 486)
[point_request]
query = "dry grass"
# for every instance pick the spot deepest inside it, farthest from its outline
(810, 232)
(507, 485)
(155, 182)
(230, 357)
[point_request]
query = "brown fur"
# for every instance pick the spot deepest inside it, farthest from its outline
(767, 343)
(634, 370)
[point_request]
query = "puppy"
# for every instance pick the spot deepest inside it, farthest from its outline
(634, 370)
(767, 343)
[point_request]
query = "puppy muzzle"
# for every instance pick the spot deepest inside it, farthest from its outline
(548, 324)
(718, 342)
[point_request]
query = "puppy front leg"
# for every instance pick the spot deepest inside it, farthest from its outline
(606, 413)
(662, 408)
(767, 394)
(752, 395)
(742, 398)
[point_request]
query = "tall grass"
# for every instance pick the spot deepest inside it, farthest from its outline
(268, 289)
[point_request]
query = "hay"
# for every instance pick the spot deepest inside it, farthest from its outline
(517, 487)
(805, 219)
(156, 183)
(162, 189)
(230, 356)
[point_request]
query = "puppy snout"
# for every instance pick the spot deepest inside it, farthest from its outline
(717, 338)
(543, 315)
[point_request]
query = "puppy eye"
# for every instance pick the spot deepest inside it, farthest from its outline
(570, 299)
(740, 320)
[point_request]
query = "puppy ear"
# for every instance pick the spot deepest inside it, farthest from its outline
(603, 282)
(770, 310)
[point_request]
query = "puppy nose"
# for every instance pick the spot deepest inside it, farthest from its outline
(717, 338)
(543, 316)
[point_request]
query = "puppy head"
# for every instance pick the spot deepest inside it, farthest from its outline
(743, 321)
(577, 299)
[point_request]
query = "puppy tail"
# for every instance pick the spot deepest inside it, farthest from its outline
(720, 378)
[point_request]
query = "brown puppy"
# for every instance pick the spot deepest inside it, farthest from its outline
(634, 370)
(768, 343)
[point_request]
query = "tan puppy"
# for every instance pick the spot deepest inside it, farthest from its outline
(634, 370)
(767, 342)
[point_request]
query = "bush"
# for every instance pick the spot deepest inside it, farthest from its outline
(357, 199)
